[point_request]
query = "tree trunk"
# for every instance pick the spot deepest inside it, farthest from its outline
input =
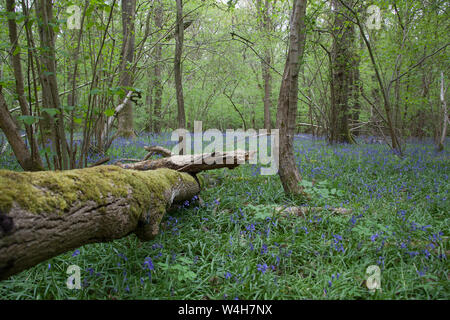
(149, 101)
(356, 86)
(265, 27)
(445, 115)
(287, 101)
(157, 83)
(50, 94)
(19, 147)
(44, 214)
(125, 118)
(395, 143)
(179, 38)
(341, 71)
(20, 90)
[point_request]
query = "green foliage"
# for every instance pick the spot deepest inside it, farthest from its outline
(321, 189)
(29, 120)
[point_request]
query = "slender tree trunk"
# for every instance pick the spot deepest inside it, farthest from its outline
(125, 118)
(12, 133)
(149, 101)
(445, 115)
(265, 26)
(356, 87)
(157, 83)
(288, 99)
(50, 93)
(179, 38)
(18, 75)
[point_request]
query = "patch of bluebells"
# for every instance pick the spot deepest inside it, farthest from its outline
(262, 267)
(337, 243)
(121, 255)
(173, 224)
(330, 282)
(148, 265)
(422, 272)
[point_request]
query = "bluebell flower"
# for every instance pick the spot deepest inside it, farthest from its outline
(264, 249)
(148, 263)
(262, 267)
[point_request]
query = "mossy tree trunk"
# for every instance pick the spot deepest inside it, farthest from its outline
(44, 214)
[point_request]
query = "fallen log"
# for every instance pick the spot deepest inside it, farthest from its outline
(44, 214)
(193, 163)
(157, 150)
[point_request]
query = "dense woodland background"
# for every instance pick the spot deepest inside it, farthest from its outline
(159, 65)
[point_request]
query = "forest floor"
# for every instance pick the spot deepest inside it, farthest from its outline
(233, 246)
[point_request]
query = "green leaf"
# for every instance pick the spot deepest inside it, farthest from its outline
(109, 112)
(77, 120)
(51, 111)
(29, 119)
(95, 91)
(16, 50)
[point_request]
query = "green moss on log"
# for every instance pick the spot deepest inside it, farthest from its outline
(56, 191)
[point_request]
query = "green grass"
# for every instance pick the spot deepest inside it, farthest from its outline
(218, 249)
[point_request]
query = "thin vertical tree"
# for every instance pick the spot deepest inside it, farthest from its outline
(49, 84)
(263, 10)
(157, 82)
(35, 162)
(179, 39)
(125, 118)
(288, 100)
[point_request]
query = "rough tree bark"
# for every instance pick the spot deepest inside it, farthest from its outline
(395, 142)
(50, 95)
(20, 90)
(179, 38)
(287, 102)
(341, 76)
(157, 83)
(44, 214)
(12, 133)
(265, 26)
(125, 117)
